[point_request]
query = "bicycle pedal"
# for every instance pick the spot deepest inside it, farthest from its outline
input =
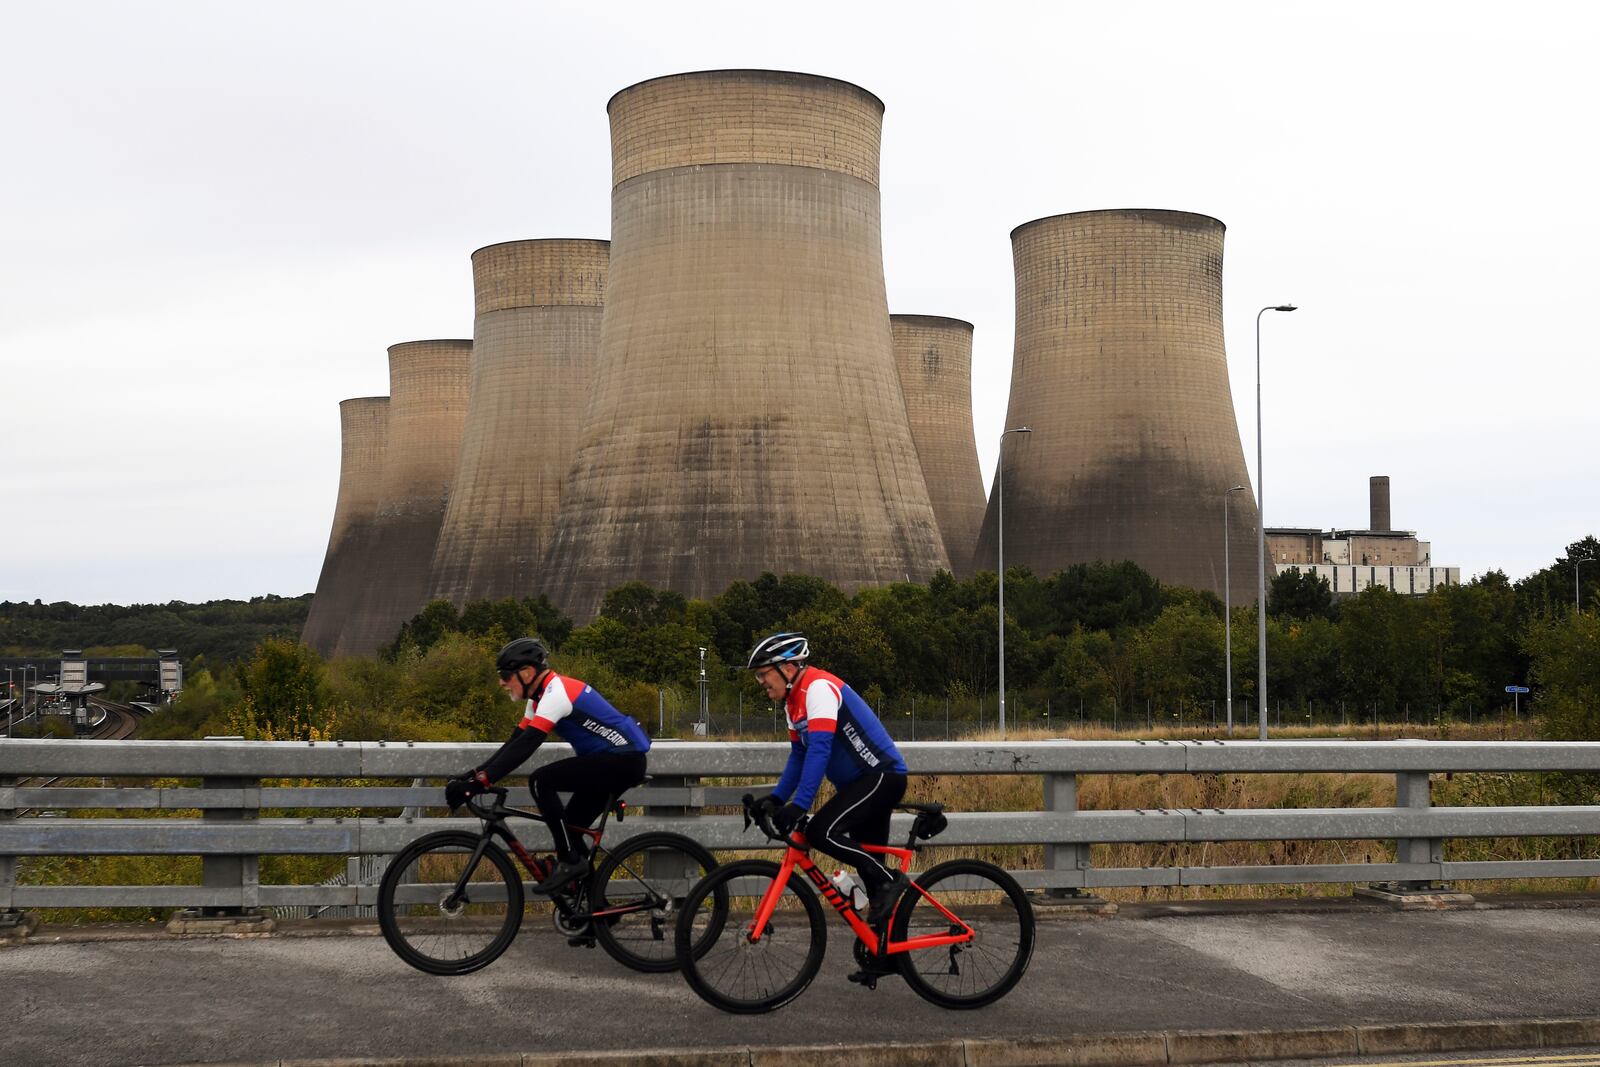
(580, 942)
(866, 978)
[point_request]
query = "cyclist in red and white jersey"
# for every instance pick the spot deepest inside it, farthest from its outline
(608, 752)
(833, 734)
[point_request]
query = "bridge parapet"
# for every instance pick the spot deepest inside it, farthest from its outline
(244, 790)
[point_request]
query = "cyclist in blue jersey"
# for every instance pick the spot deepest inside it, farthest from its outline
(833, 734)
(608, 752)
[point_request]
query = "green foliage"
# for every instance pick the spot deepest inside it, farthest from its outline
(1300, 595)
(217, 631)
(496, 621)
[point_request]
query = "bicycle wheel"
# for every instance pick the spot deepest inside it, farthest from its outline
(442, 938)
(979, 971)
(714, 949)
(643, 883)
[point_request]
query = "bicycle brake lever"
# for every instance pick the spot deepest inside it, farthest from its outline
(748, 799)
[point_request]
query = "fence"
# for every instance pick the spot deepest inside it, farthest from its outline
(236, 825)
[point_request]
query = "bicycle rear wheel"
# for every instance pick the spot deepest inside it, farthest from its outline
(440, 936)
(979, 971)
(714, 949)
(642, 884)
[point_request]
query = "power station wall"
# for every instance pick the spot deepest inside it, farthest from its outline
(1120, 371)
(427, 409)
(746, 413)
(363, 433)
(539, 305)
(934, 357)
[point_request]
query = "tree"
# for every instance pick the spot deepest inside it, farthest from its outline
(283, 682)
(1299, 594)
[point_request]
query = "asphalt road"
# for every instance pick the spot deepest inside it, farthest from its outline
(200, 1000)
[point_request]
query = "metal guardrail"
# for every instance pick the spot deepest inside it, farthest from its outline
(231, 832)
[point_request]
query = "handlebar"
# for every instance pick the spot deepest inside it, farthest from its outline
(755, 812)
(498, 792)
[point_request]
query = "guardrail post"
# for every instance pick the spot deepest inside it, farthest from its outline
(1412, 792)
(241, 872)
(13, 923)
(1067, 866)
(670, 865)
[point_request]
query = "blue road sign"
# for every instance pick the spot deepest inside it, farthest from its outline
(1516, 689)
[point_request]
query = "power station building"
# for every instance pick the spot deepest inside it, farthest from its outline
(934, 357)
(746, 413)
(363, 433)
(1120, 372)
(534, 339)
(427, 408)
(1353, 560)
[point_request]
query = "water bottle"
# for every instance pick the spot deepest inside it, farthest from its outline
(852, 891)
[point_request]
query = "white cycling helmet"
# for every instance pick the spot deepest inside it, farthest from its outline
(779, 648)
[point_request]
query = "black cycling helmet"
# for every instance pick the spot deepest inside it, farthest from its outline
(779, 648)
(523, 652)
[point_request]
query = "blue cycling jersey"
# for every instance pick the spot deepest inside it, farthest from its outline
(832, 734)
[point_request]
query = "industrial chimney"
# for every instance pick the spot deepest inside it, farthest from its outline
(533, 347)
(1378, 495)
(1119, 370)
(363, 431)
(934, 357)
(746, 413)
(427, 407)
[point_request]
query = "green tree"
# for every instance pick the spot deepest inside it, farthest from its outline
(1298, 594)
(283, 682)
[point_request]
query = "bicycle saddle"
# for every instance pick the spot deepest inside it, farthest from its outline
(931, 809)
(930, 819)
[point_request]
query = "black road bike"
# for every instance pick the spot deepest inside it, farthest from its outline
(451, 902)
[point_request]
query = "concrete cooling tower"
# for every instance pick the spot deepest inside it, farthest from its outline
(746, 413)
(533, 347)
(1120, 371)
(934, 356)
(427, 407)
(363, 432)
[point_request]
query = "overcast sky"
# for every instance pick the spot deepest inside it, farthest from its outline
(217, 216)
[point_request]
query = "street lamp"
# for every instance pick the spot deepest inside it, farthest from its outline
(1227, 605)
(1261, 536)
(1000, 550)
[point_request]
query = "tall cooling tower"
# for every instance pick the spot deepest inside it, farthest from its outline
(934, 356)
(533, 347)
(363, 432)
(746, 413)
(1120, 371)
(427, 407)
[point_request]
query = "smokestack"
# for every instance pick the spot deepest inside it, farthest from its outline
(1378, 496)
(746, 413)
(934, 357)
(427, 406)
(363, 432)
(534, 340)
(1120, 371)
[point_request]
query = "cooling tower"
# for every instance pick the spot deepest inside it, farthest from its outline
(746, 412)
(934, 357)
(427, 406)
(363, 431)
(1378, 503)
(1120, 371)
(533, 346)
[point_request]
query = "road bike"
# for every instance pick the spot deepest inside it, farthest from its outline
(451, 902)
(750, 936)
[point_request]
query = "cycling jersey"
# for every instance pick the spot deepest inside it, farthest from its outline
(832, 733)
(573, 711)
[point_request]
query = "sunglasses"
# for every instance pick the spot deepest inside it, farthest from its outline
(505, 676)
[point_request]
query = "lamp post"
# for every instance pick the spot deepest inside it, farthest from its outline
(1227, 605)
(1000, 551)
(1261, 536)
(11, 700)
(1577, 590)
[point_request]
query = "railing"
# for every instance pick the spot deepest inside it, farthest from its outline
(231, 834)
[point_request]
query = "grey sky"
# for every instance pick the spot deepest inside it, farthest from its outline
(217, 216)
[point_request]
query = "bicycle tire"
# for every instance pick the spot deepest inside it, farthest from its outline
(995, 962)
(731, 972)
(418, 930)
(646, 940)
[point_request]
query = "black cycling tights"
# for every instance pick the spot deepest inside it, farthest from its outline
(590, 780)
(859, 814)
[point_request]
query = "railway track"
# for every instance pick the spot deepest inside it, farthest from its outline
(120, 722)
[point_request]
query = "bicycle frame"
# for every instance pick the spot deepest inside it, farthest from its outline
(797, 855)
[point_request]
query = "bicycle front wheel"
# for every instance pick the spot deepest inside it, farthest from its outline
(976, 972)
(431, 927)
(718, 957)
(637, 893)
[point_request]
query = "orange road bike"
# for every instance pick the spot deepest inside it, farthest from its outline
(750, 936)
